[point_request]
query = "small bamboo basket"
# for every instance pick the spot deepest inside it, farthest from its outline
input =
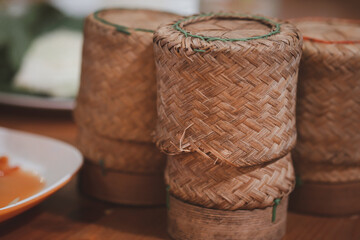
(116, 108)
(327, 154)
(117, 96)
(226, 118)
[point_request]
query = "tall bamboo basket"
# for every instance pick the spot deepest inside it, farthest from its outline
(226, 118)
(116, 108)
(327, 154)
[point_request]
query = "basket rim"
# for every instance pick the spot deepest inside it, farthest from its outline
(324, 19)
(123, 28)
(274, 24)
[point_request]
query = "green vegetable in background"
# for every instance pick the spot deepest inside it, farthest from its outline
(17, 33)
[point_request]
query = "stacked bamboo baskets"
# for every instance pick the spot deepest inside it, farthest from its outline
(226, 119)
(116, 108)
(327, 154)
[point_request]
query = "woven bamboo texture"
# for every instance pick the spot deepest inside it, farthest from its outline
(200, 181)
(126, 156)
(328, 110)
(117, 96)
(328, 107)
(327, 173)
(231, 101)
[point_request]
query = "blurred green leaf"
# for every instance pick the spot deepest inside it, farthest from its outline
(17, 33)
(73, 23)
(4, 28)
(20, 40)
(6, 70)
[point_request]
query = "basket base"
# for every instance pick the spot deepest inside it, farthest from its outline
(187, 221)
(121, 187)
(321, 199)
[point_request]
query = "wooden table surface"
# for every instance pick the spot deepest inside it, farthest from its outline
(70, 215)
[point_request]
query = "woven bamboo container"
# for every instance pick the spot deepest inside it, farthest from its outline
(327, 154)
(226, 118)
(116, 108)
(117, 96)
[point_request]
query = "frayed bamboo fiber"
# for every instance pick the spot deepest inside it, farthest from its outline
(226, 118)
(229, 100)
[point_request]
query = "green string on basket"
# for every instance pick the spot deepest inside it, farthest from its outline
(168, 197)
(102, 166)
(118, 27)
(205, 38)
(276, 203)
(298, 181)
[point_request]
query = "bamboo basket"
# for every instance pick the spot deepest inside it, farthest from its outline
(327, 154)
(226, 118)
(116, 108)
(117, 96)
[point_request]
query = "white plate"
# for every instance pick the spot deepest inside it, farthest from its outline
(55, 161)
(30, 101)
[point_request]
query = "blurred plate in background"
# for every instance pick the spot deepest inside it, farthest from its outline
(40, 102)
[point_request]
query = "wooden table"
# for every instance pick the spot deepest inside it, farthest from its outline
(69, 215)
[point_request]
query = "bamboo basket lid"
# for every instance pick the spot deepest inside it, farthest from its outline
(329, 30)
(327, 155)
(133, 20)
(226, 87)
(117, 96)
(328, 109)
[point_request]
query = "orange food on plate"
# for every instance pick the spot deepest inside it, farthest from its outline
(16, 184)
(5, 169)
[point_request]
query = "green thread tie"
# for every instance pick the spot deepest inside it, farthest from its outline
(118, 27)
(168, 197)
(144, 30)
(102, 166)
(276, 203)
(177, 27)
(199, 50)
(298, 181)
